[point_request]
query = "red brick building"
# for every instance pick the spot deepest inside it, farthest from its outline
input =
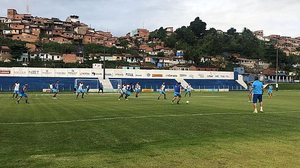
(25, 37)
(72, 58)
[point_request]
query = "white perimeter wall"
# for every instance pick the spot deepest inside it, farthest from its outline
(113, 73)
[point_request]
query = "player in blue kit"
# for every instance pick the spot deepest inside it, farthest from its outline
(23, 94)
(257, 89)
(87, 89)
(162, 91)
(177, 95)
(55, 89)
(270, 91)
(128, 91)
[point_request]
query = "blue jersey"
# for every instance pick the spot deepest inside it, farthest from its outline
(257, 87)
(55, 86)
(22, 90)
(177, 88)
(270, 87)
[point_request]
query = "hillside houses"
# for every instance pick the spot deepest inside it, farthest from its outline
(25, 27)
(289, 45)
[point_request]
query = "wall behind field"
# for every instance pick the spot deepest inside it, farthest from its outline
(114, 73)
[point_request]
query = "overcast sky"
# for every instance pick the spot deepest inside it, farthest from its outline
(121, 16)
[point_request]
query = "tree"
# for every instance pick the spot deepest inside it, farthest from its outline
(212, 42)
(231, 31)
(161, 54)
(198, 27)
(58, 48)
(160, 33)
(171, 41)
(186, 35)
(17, 51)
(124, 43)
(297, 73)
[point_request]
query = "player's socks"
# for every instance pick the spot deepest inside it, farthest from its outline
(255, 111)
(261, 109)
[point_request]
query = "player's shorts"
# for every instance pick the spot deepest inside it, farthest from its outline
(176, 94)
(16, 92)
(128, 93)
(80, 91)
(162, 92)
(257, 97)
(23, 95)
(54, 90)
(270, 91)
(187, 91)
(138, 90)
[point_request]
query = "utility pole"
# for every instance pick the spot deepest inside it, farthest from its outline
(104, 64)
(27, 7)
(277, 63)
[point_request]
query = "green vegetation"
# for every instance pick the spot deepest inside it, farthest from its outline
(289, 86)
(213, 130)
(195, 39)
(197, 42)
(17, 47)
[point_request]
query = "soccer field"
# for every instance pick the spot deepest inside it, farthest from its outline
(213, 130)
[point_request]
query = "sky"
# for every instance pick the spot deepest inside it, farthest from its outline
(122, 16)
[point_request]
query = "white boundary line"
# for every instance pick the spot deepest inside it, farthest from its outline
(136, 117)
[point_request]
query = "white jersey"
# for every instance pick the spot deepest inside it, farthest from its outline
(80, 87)
(124, 89)
(162, 88)
(17, 87)
(188, 88)
(51, 86)
(138, 87)
(119, 88)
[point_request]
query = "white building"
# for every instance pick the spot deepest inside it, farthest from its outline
(26, 57)
(73, 19)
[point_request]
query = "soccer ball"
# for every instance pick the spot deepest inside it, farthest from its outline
(187, 102)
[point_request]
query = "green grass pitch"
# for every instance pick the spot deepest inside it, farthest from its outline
(213, 130)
